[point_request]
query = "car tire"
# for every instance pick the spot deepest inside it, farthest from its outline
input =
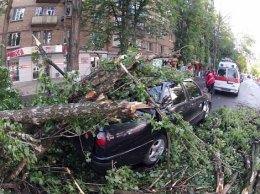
(236, 94)
(156, 150)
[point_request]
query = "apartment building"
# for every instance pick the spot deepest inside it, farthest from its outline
(49, 21)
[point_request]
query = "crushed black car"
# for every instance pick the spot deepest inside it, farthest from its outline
(133, 141)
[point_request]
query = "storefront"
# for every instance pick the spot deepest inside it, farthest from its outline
(22, 68)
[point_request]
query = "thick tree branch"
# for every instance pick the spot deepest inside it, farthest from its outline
(45, 57)
(39, 115)
(250, 188)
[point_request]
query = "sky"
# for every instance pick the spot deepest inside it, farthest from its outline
(243, 17)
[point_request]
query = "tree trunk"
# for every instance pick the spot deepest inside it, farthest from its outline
(5, 30)
(75, 36)
(39, 115)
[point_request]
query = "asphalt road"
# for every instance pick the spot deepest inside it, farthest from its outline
(249, 95)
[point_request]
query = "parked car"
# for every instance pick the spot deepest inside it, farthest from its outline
(241, 78)
(133, 141)
(227, 78)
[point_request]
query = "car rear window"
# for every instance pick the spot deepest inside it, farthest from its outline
(222, 72)
(232, 73)
(192, 89)
(176, 94)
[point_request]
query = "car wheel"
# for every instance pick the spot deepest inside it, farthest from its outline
(206, 109)
(156, 150)
(236, 94)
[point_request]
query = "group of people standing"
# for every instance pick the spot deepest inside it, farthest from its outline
(199, 71)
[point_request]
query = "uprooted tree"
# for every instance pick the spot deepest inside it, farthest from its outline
(37, 143)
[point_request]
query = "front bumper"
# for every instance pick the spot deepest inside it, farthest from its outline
(233, 90)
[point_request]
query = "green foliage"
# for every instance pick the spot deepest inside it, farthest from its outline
(9, 98)
(194, 29)
(192, 151)
(123, 179)
(51, 183)
(57, 92)
(255, 70)
(13, 149)
(126, 19)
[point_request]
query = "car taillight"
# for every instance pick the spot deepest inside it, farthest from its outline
(101, 139)
(88, 134)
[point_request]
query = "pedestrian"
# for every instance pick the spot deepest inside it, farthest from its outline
(210, 81)
(201, 71)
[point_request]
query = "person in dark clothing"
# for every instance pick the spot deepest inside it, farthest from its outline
(210, 81)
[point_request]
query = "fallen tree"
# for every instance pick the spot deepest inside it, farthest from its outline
(36, 157)
(40, 115)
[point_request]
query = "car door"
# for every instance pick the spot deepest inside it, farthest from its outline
(177, 99)
(195, 101)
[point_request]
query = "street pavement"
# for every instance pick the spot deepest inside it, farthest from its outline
(26, 88)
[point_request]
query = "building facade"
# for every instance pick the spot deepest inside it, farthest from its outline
(49, 21)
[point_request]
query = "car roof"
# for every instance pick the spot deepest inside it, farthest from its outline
(187, 80)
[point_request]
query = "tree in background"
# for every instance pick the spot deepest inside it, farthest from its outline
(241, 62)
(244, 53)
(127, 20)
(74, 36)
(194, 29)
(223, 42)
(255, 70)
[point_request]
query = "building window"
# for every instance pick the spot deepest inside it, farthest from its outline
(37, 34)
(18, 14)
(115, 41)
(36, 70)
(69, 10)
(47, 37)
(170, 37)
(161, 49)
(50, 11)
(13, 67)
(118, 21)
(66, 37)
(44, 11)
(38, 11)
(150, 46)
(139, 43)
(140, 25)
(14, 39)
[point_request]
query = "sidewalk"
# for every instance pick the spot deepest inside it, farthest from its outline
(26, 88)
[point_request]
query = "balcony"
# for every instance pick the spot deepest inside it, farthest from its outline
(47, 1)
(44, 20)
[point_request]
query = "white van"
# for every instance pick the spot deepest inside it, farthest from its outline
(227, 77)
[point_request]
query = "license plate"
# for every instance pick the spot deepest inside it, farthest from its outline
(225, 89)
